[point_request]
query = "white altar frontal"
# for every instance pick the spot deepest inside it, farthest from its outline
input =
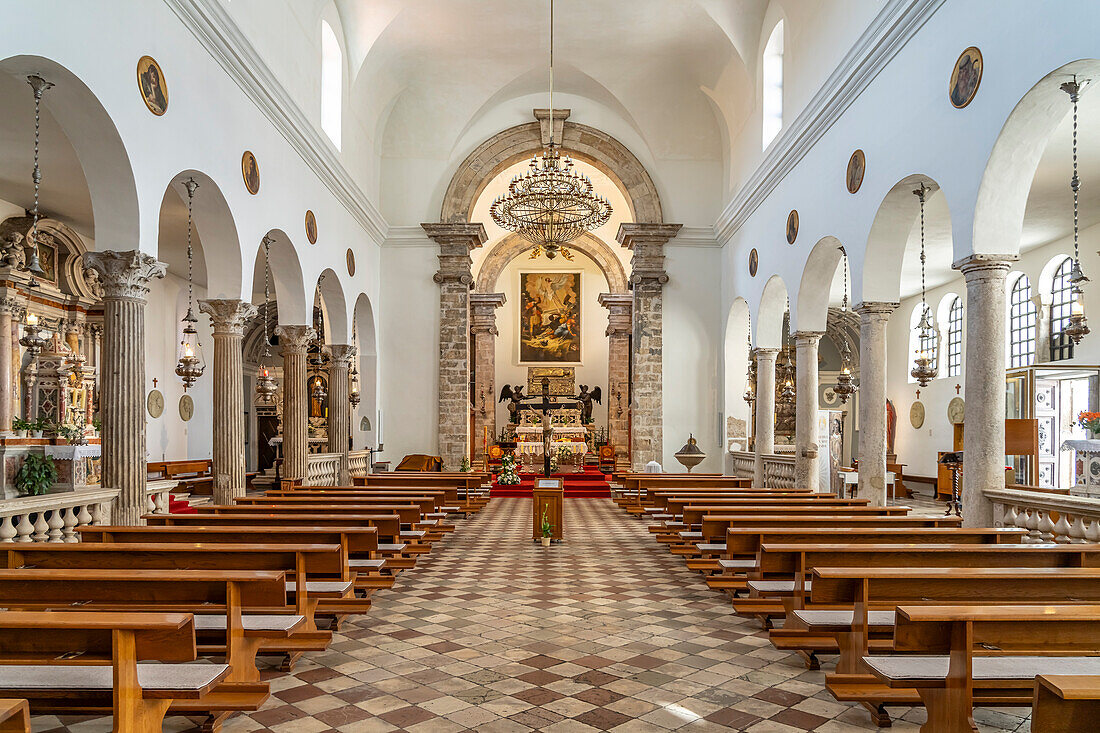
(567, 432)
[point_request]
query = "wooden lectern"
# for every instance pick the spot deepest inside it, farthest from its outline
(547, 497)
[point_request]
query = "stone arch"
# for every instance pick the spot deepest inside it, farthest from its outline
(287, 280)
(367, 359)
(735, 365)
(335, 307)
(95, 139)
(581, 141)
(816, 285)
(514, 245)
(769, 319)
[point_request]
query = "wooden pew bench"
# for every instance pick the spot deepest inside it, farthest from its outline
(688, 525)
(194, 477)
(1064, 703)
(864, 590)
(79, 662)
(15, 716)
(986, 655)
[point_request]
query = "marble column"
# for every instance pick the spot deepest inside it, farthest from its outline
(619, 326)
(455, 280)
(806, 473)
(984, 426)
(483, 329)
(873, 317)
(339, 408)
(8, 306)
(124, 277)
(647, 279)
(229, 318)
(765, 411)
(294, 340)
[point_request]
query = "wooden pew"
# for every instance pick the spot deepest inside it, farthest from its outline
(427, 502)
(636, 486)
(866, 590)
(1065, 703)
(432, 530)
(194, 476)
(15, 716)
(982, 654)
(467, 487)
(108, 671)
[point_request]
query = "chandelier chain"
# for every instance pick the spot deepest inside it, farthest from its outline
(1075, 182)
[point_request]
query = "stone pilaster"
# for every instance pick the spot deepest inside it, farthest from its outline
(806, 473)
(229, 318)
(294, 340)
(984, 426)
(483, 328)
(620, 323)
(765, 411)
(124, 277)
(8, 306)
(647, 279)
(455, 280)
(873, 317)
(339, 408)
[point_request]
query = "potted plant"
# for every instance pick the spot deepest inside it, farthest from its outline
(464, 467)
(72, 433)
(20, 427)
(36, 476)
(37, 427)
(97, 425)
(547, 530)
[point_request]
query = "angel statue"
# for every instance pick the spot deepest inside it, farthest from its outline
(515, 394)
(586, 398)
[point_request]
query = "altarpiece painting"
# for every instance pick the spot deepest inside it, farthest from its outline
(550, 317)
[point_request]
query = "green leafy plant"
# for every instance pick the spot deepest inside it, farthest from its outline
(464, 467)
(72, 433)
(97, 424)
(19, 424)
(547, 528)
(39, 425)
(36, 476)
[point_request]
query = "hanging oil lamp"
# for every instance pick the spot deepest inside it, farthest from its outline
(190, 365)
(266, 386)
(787, 392)
(353, 374)
(750, 377)
(845, 385)
(1078, 326)
(924, 369)
(35, 338)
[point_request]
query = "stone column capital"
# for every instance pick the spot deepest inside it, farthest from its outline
(766, 353)
(983, 264)
(870, 310)
(341, 355)
(620, 313)
(456, 241)
(807, 338)
(124, 275)
(10, 305)
(228, 316)
(647, 242)
(294, 338)
(483, 312)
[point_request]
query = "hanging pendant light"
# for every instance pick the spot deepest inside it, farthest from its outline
(787, 392)
(35, 337)
(316, 355)
(353, 374)
(1078, 326)
(750, 382)
(190, 365)
(924, 369)
(845, 385)
(551, 204)
(266, 386)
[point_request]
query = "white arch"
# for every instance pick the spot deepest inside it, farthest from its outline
(287, 281)
(769, 319)
(335, 307)
(771, 86)
(735, 364)
(816, 286)
(221, 256)
(332, 84)
(367, 357)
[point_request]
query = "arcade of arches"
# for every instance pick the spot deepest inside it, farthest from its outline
(838, 315)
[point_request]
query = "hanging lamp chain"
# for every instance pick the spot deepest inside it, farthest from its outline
(191, 186)
(39, 86)
(267, 288)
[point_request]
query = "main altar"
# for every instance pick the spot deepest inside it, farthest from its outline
(549, 421)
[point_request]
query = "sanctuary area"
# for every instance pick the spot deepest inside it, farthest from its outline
(549, 365)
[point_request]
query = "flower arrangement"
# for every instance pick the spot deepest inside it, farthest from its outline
(1089, 421)
(508, 475)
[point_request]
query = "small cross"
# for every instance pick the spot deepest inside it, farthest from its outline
(957, 388)
(154, 382)
(918, 394)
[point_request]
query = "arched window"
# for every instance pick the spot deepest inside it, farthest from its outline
(918, 342)
(955, 338)
(1021, 324)
(332, 84)
(1061, 346)
(772, 85)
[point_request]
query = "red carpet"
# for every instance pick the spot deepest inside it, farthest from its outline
(591, 483)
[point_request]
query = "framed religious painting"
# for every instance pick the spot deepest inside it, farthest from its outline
(965, 78)
(792, 226)
(857, 166)
(754, 262)
(311, 227)
(154, 90)
(550, 317)
(250, 171)
(351, 262)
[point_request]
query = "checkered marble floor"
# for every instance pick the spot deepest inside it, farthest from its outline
(608, 631)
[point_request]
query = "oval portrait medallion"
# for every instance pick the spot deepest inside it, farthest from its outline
(965, 78)
(187, 408)
(754, 262)
(916, 415)
(154, 90)
(155, 403)
(956, 411)
(792, 226)
(311, 227)
(857, 164)
(250, 171)
(351, 262)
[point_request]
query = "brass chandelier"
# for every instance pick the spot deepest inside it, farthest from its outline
(551, 204)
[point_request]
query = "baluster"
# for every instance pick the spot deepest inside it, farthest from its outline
(1046, 526)
(150, 505)
(1009, 513)
(1077, 529)
(68, 516)
(55, 523)
(1031, 524)
(7, 530)
(83, 517)
(24, 529)
(102, 513)
(1062, 528)
(41, 529)
(160, 502)
(1092, 530)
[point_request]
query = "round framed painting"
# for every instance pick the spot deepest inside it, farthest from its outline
(154, 90)
(187, 408)
(250, 171)
(754, 262)
(792, 226)
(916, 415)
(311, 227)
(351, 262)
(965, 78)
(154, 403)
(857, 165)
